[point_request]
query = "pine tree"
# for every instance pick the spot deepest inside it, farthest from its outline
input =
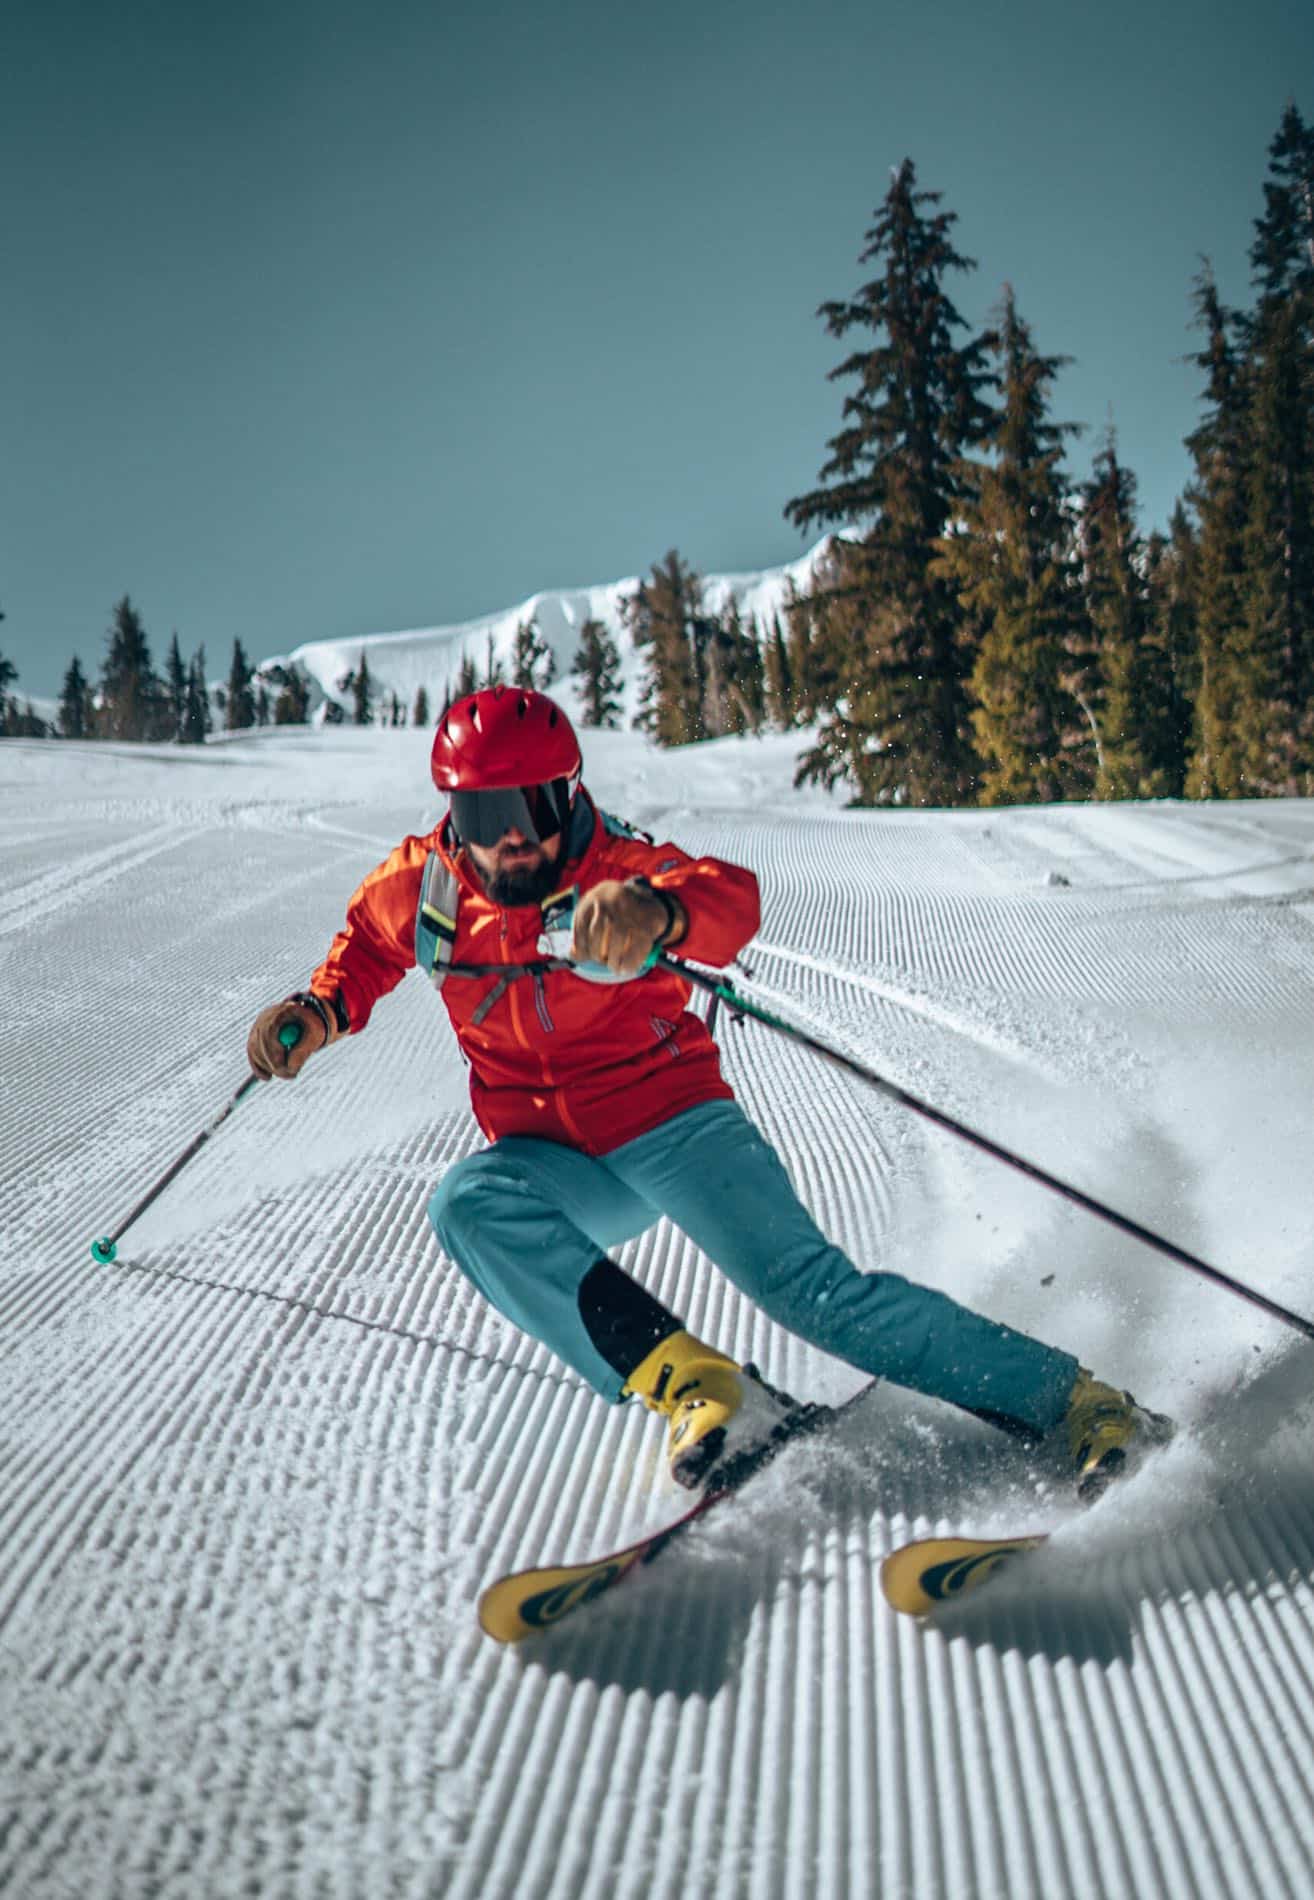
(132, 701)
(1282, 255)
(196, 714)
(596, 666)
(1172, 587)
(1127, 693)
(175, 687)
(420, 710)
(493, 675)
(240, 705)
(358, 685)
(362, 693)
(734, 691)
(818, 660)
(8, 676)
(746, 670)
(25, 722)
(1220, 449)
(292, 694)
(76, 712)
(1275, 716)
(776, 682)
(667, 623)
(716, 713)
(532, 664)
(467, 677)
(899, 472)
(1009, 561)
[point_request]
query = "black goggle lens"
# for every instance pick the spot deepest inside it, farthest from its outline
(485, 817)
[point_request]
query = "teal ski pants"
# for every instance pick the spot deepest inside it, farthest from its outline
(526, 1220)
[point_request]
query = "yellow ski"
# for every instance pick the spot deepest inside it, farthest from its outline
(530, 1600)
(919, 1577)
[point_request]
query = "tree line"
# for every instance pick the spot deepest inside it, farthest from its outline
(595, 667)
(133, 701)
(980, 629)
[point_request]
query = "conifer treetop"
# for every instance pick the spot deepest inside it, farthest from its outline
(919, 393)
(1282, 254)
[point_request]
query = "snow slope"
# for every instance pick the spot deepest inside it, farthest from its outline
(256, 1472)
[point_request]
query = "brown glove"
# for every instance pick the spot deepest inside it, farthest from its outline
(621, 924)
(313, 1016)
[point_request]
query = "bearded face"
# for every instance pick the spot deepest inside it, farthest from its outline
(516, 871)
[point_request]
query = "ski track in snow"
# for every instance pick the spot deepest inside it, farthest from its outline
(255, 1473)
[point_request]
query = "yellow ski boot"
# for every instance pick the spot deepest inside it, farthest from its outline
(716, 1410)
(1107, 1433)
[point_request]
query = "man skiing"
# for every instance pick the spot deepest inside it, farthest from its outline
(603, 1102)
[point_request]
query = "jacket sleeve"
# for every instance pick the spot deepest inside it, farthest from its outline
(719, 899)
(376, 946)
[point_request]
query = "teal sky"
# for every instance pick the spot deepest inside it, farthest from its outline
(323, 319)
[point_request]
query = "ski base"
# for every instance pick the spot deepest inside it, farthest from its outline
(528, 1601)
(922, 1576)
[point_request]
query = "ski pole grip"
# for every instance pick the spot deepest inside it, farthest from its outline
(290, 1035)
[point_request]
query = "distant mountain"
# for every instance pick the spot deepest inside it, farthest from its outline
(431, 656)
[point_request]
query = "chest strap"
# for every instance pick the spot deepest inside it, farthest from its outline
(435, 937)
(436, 920)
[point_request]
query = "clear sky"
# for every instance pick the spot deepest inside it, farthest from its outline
(322, 319)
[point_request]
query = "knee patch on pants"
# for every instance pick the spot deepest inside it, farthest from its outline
(622, 1319)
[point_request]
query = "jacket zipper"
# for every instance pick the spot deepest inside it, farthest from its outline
(563, 1113)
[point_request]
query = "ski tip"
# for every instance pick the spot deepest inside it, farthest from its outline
(923, 1576)
(533, 1600)
(499, 1615)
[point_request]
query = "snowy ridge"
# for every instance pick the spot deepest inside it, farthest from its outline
(431, 657)
(255, 1473)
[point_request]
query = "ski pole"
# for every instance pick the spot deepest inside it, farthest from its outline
(104, 1249)
(743, 1005)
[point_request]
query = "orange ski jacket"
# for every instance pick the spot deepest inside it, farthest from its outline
(591, 1065)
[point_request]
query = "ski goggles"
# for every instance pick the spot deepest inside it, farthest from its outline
(538, 812)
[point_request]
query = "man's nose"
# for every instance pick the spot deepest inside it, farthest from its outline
(514, 837)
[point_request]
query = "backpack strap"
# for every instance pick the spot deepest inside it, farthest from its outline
(435, 936)
(621, 827)
(435, 919)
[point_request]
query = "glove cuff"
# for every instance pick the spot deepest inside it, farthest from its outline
(667, 903)
(330, 1011)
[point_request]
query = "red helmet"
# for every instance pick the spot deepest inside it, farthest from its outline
(506, 739)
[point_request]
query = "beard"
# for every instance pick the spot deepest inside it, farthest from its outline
(528, 886)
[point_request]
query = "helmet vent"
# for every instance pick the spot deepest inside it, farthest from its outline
(475, 720)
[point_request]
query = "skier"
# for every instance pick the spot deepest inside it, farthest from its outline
(602, 1098)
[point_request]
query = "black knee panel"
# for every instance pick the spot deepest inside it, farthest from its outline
(624, 1322)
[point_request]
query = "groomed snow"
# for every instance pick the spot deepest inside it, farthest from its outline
(256, 1472)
